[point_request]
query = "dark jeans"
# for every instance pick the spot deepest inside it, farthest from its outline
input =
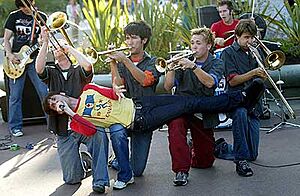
(245, 129)
(157, 110)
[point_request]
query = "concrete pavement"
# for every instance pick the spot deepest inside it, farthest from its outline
(37, 171)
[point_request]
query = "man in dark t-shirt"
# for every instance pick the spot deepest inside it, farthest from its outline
(21, 26)
(240, 70)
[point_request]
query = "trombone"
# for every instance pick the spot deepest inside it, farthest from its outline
(38, 16)
(56, 21)
(162, 65)
(273, 61)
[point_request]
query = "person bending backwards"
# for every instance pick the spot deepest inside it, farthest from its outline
(102, 107)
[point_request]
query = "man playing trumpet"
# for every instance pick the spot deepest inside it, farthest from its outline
(139, 76)
(197, 77)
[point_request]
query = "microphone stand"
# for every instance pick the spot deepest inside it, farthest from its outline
(284, 116)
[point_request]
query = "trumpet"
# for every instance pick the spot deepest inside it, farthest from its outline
(162, 65)
(274, 60)
(95, 53)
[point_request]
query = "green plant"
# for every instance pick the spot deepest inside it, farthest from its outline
(246, 6)
(163, 23)
(106, 21)
(290, 26)
(6, 6)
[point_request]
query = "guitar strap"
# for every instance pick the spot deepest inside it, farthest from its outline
(33, 29)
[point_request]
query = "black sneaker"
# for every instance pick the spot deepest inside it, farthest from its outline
(243, 168)
(181, 179)
(253, 93)
(99, 188)
(86, 161)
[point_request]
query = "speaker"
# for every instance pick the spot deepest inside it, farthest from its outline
(207, 15)
(31, 104)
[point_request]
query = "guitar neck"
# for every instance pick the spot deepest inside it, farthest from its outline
(32, 49)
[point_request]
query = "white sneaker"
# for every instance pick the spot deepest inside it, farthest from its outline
(119, 185)
(17, 132)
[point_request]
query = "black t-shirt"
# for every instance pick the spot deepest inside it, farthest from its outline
(21, 25)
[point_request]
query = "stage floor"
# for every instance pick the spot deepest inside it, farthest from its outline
(37, 171)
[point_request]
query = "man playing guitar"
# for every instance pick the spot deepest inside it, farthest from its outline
(21, 26)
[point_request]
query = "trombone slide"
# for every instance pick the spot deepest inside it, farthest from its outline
(261, 65)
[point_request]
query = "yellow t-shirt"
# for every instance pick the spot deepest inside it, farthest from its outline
(99, 106)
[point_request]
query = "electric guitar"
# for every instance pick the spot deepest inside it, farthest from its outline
(14, 71)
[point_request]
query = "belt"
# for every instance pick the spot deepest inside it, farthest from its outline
(138, 117)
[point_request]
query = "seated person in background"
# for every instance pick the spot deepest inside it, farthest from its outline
(228, 23)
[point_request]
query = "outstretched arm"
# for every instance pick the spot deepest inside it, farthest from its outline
(42, 55)
(81, 59)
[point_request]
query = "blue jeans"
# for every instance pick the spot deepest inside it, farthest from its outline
(245, 129)
(68, 151)
(15, 116)
(140, 146)
(119, 140)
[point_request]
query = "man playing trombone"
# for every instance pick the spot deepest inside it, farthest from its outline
(198, 76)
(240, 70)
(69, 78)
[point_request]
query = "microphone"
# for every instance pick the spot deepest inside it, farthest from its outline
(62, 107)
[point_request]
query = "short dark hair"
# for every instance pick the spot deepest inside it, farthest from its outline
(46, 105)
(246, 26)
(140, 28)
(20, 4)
(226, 2)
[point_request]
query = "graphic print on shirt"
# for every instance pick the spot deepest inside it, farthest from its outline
(23, 30)
(98, 109)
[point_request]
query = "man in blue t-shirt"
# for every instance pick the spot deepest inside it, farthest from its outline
(198, 76)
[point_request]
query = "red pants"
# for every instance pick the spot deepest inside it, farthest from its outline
(201, 153)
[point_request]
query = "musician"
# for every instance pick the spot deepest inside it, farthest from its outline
(23, 29)
(197, 77)
(226, 24)
(137, 72)
(240, 70)
(68, 78)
